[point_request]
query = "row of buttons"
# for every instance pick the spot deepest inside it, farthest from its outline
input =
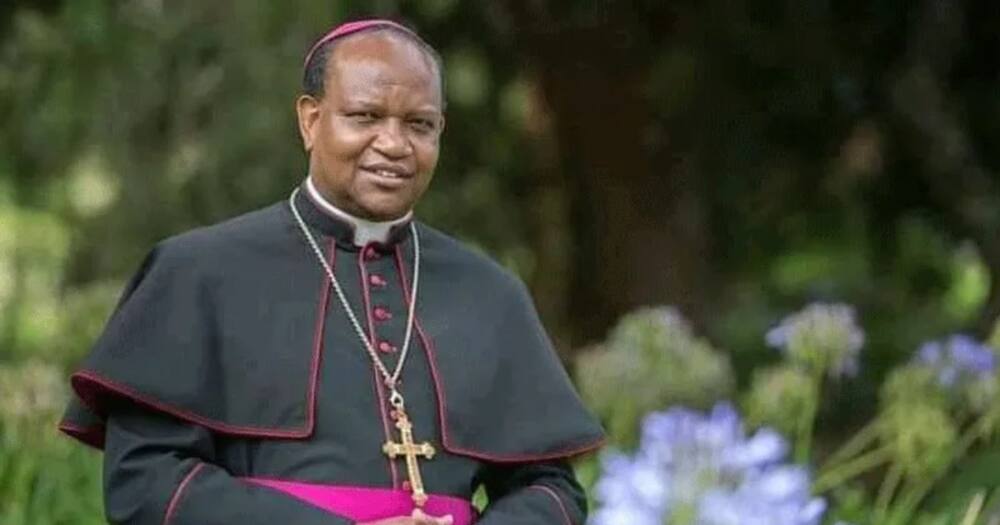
(380, 313)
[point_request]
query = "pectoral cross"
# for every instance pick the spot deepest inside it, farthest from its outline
(410, 450)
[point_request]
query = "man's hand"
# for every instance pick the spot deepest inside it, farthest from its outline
(417, 518)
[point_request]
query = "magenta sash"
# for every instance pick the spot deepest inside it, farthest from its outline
(369, 504)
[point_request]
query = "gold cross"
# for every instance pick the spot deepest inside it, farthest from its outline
(411, 450)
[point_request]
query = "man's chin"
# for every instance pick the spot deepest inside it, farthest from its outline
(385, 213)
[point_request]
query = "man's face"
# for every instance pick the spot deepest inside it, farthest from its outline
(373, 137)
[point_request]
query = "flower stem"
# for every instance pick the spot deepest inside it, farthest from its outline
(885, 492)
(844, 472)
(975, 431)
(910, 498)
(803, 441)
(858, 442)
(975, 508)
(909, 503)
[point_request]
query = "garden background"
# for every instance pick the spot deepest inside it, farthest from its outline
(726, 162)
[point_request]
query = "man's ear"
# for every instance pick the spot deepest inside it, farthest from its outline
(307, 107)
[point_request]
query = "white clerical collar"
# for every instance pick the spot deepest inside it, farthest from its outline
(365, 231)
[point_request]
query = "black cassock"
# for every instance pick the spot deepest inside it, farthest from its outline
(229, 370)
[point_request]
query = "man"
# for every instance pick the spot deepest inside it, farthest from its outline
(328, 360)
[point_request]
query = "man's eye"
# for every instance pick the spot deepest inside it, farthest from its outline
(422, 125)
(363, 116)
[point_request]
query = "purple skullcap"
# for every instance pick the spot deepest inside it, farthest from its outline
(353, 27)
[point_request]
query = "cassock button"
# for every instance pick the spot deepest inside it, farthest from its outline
(387, 347)
(382, 314)
(377, 280)
(371, 253)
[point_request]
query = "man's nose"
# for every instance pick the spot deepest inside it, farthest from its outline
(392, 140)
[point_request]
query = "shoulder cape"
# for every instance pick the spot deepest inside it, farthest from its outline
(174, 345)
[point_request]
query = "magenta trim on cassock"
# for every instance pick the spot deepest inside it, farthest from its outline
(369, 504)
(351, 27)
(179, 491)
(554, 495)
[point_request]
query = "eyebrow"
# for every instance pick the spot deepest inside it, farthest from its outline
(429, 112)
(368, 103)
(358, 101)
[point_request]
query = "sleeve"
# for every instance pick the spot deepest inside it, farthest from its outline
(159, 470)
(533, 494)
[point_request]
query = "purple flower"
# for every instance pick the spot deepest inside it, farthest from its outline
(957, 359)
(778, 495)
(763, 448)
(822, 336)
(703, 469)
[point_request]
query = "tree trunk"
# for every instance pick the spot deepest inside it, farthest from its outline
(636, 233)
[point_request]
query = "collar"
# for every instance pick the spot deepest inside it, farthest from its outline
(349, 231)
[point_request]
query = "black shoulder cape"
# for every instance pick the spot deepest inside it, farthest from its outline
(222, 327)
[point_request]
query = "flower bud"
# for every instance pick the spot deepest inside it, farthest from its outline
(779, 397)
(921, 436)
(823, 338)
(651, 360)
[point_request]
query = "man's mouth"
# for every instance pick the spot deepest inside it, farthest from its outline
(389, 173)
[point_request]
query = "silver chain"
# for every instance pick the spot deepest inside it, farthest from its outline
(391, 380)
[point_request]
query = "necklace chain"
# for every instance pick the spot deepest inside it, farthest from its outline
(391, 379)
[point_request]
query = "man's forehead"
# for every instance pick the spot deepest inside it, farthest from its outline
(382, 46)
(381, 59)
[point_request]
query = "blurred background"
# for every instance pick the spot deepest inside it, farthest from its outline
(735, 160)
